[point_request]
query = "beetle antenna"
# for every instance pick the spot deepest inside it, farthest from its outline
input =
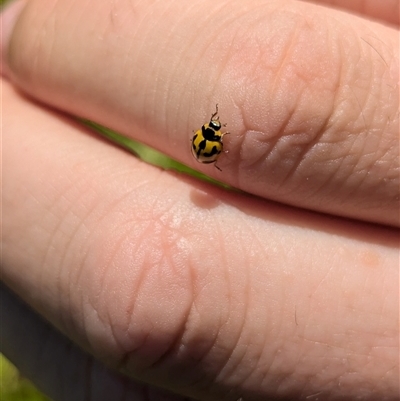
(216, 112)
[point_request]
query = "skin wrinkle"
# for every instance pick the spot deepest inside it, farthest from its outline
(172, 350)
(253, 375)
(148, 258)
(72, 325)
(361, 107)
(225, 324)
(63, 294)
(336, 162)
(375, 83)
(136, 48)
(234, 371)
(289, 117)
(90, 313)
(241, 328)
(120, 361)
(269, 371)
(301, 351)
(308, 152)
(40, 277)
(109, 318)
(382, 148)
(177, 340)
(70, 249)
(319, 135)
(115, 206)
(204, 52)
(384, 49)
(355, 172)
(200, 379)
(392, 172)
(159, 79)
(212, 345)
(134, 249)
(225, 20)
(271, 375)
(230, 54)
(47, 30)
(176, 76)
(191, 69)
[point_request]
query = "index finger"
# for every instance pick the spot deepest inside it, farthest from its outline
(310, 95)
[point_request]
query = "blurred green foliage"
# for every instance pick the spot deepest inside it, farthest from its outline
(14, 387)
(150, 155)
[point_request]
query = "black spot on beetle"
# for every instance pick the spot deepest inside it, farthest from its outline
(214, 151)
(193, 144)
(202, 146)
(209, 134)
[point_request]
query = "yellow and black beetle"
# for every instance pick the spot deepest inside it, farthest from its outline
(207, 142)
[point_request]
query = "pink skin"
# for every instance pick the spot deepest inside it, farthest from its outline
(210, 294)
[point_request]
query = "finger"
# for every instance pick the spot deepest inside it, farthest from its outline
(186, 286)
(57, 366)
(384, 10)
(311, 102)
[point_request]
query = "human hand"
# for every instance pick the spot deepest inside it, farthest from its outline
(176, 284)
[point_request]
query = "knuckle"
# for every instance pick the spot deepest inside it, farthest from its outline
(310, 103)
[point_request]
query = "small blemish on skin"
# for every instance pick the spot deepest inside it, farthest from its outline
(370, 259)
(204, 199)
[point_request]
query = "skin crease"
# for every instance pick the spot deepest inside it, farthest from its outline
(210, 294)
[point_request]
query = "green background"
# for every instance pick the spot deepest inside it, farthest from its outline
(14, 387)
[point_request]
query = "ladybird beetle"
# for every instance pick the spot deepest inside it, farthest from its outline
(207, 142)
